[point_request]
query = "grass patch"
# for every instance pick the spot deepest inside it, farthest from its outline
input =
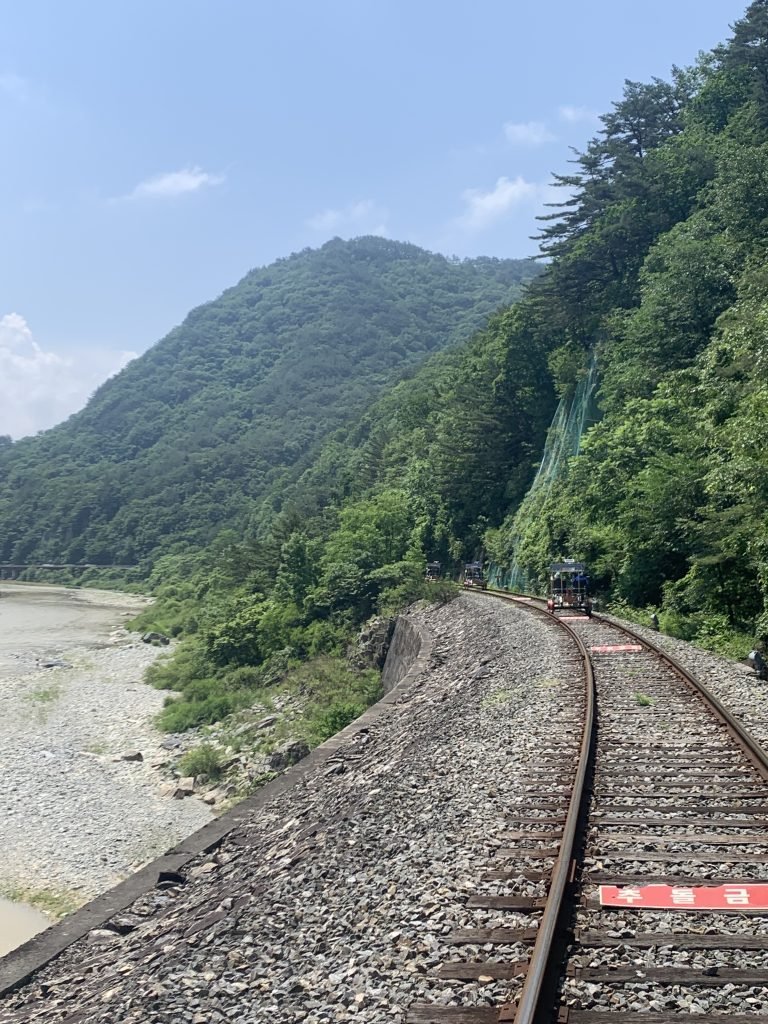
(495, 699)
(643, 700)
(45, 694)
(98, 747)
(547, 682)
(204, 760)
(55, 904)
(334, 693)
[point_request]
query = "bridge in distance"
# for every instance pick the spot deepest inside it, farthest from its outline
(12, 571)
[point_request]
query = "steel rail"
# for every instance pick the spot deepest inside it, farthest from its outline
(756, 754)
(528, 1009)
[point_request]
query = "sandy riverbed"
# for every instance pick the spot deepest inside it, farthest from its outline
(75, 818)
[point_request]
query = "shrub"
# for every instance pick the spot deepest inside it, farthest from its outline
(327, 723)
(246, 677)
(179, 715)
(204, 760)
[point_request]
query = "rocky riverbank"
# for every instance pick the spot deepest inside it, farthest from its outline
(82, 803)
(335, 900)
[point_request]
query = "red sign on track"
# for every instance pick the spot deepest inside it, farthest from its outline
(678, 897)
(615, 648)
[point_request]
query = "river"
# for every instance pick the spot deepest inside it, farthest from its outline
(75, 818)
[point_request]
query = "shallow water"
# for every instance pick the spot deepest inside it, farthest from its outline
(18, 923)
(41, 622)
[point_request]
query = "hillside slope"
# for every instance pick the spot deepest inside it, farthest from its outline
(190, 436)
(660, 269)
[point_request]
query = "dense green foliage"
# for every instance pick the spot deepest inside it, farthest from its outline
(235, 402)
(660, 263)
(435, 462)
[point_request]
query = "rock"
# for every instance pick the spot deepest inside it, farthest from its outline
(55, 663)
(159, 639)
(265, 723)
(289, 753)
(101, 936)
(184, 787)
(372, 643)
(132, 755)
(210, 799)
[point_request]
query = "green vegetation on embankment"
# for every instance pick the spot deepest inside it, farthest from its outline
(660, 264)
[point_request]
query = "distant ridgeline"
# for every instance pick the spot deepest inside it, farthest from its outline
(234, 403)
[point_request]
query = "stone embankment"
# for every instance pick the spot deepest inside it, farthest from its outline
(332, 894)
(332, 899)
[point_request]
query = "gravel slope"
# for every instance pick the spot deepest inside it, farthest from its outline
(335, 901)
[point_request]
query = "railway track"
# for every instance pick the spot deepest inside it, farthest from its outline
(658, 787)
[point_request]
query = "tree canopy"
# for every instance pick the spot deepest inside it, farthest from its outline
(189, 437)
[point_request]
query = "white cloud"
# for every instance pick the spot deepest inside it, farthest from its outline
(577, 115)
(363, 217)
(175, 183)
(39, 389)
(485, 208)
(528, 133)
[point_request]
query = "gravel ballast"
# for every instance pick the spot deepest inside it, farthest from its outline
(335, 901)
(662, 754)
(733, 683)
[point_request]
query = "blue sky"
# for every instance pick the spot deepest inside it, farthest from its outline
(156, 151)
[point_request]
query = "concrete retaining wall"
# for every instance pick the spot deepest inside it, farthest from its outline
(409, 659)
(403, 651)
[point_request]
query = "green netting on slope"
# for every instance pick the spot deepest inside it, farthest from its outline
(563, 442)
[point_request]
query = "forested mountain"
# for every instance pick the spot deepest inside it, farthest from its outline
(660, 265)
(221, 412)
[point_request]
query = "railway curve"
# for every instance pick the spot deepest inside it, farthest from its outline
(663, 916)
(414, 877)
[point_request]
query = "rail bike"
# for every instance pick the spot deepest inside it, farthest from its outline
(473, 576)
(568, 587)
